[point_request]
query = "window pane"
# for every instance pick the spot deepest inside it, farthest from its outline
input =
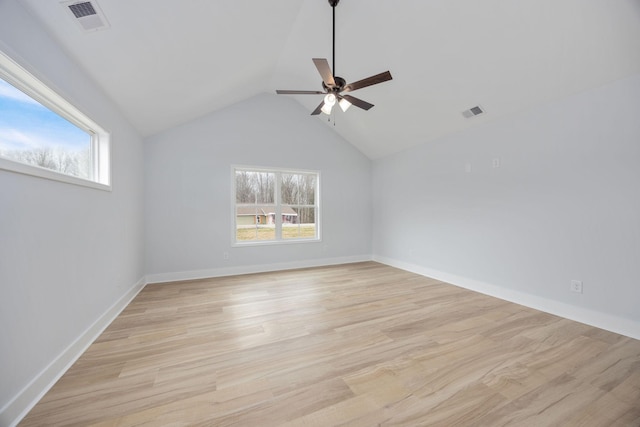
(255, 222)
(289, 189)
(309, 184)
(298, 189)
(33, 134)
(302, 223)
(255, 187)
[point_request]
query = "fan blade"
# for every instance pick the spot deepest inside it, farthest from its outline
(369, 81)
(357, 102)
(325, 71)
(299, 92)
(318, 108)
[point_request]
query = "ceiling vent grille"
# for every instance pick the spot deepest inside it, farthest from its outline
(82, 9)
(87, 14)
(473, 111)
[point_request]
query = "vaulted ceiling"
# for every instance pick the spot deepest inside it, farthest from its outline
(166, 62)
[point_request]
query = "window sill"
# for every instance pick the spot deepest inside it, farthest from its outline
(273, 242)
(38, 172)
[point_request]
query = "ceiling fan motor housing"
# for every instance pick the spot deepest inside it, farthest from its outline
(340, 83)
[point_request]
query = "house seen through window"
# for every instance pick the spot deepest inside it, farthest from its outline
(275, 205)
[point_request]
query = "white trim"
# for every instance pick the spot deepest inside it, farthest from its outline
(598, 319)
(26, 399)
(249, 269)
(39, 172)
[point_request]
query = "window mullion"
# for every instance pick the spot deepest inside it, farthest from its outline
(278, 200)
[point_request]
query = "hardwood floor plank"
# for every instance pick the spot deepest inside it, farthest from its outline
(352, 345)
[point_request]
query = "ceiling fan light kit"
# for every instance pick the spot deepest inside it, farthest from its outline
(344, 104)
(333, 86)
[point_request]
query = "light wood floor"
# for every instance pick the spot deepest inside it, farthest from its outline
(353, 345)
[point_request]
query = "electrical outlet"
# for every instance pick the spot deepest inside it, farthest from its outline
(576, 286)
(495, 162)
(225, 256)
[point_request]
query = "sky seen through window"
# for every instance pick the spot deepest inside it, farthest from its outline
(25, 125)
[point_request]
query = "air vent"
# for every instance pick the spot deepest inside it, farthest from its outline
(472, 112)
(82, 9)
(87, 14)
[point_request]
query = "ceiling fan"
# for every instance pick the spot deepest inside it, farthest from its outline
(335, 86)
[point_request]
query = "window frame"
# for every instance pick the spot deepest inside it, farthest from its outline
(279, 240)
(100, 144)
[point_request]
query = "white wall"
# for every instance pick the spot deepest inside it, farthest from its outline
(188, 190)
(67, 253)
(563, 205)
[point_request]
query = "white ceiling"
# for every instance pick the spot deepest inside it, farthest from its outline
(166, 62)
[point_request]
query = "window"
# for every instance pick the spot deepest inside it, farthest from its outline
(273, 205)
(43, 135)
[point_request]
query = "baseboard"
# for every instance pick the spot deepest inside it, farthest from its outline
(597, 319)
(24, 401)
(250, 269)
